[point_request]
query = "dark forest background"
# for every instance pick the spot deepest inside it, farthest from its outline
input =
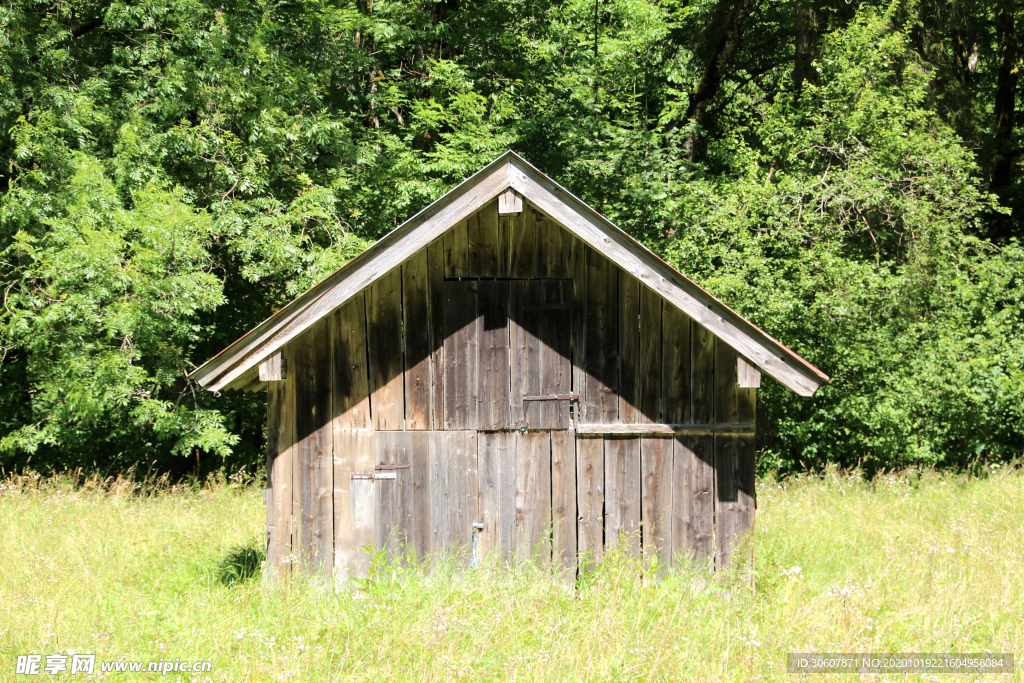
(845, 174)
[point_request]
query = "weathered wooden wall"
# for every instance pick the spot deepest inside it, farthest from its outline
(507, 388)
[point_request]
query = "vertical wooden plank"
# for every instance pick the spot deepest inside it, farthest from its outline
(297, 543)
(435, 295)
(493, 365)
(353, 452)
(507, 445)
(734, 458)
(650, 373)
(364, 518)
(590, 497)
(485, 250)
(439, 493)
(273, 428)
(629, 349)
(726, 390)
(702, 372)
(533, 497)
(656, 462)
(461, 354)
(676, 408)
(598, 399)
(419, 532)
(385, 445)
(563, 501)
(416, 315)
(476, 249)
(281, 401)
(734, 490)
(554, 249)
(746, 404)
(555, 354)
(622, 493)
(350, 386)
(693, 506)
(523, 248)
(525, 351)
(455, 244)
(577, 322)
(466, 454)
(313, 372)
(504, 245)
(454, 463)
(384, 350)
(489, 504)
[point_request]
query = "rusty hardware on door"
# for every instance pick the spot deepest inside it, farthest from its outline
(553, 397)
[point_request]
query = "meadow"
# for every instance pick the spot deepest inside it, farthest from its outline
(908, 562)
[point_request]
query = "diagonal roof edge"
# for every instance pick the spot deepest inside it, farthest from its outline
(231, 367)
(760, 348)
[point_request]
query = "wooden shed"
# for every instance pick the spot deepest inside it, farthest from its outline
(506, 372)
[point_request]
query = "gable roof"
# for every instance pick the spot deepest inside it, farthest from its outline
(236, 366)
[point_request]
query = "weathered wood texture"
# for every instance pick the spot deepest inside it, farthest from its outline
(650, 396)
(281, 451)
(416, 328)
(273, 369)
(350, 388)
(492, 346)
(461, 354)
(629, 349)
(454, 492)
(563, 501)
(747, 375)
(353, 452)
(509, 202)
(422, 377)
(314, 477)
(533, 497)
(734, 458)
(677, 406)
(541, 352)
(657, 498)
(601, 341)
(384, 351)
(492, 461)
(622, 493)
(590, 499)
(435, 302)
(693, 506)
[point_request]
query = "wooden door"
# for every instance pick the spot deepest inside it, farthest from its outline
(476, 367)
(540, 329)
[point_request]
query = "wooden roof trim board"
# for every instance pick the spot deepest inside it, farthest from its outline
(235, 366)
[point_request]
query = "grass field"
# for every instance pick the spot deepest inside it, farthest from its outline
(908, 563)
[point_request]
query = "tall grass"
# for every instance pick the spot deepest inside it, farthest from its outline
(914, 562)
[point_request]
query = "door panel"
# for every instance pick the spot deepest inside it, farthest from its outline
(540, 328)
(476, 368)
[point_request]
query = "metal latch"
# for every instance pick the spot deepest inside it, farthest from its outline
(553, 397)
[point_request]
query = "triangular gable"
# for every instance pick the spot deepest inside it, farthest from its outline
(235, 366)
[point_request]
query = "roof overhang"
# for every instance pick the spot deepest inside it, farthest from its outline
(235, 366)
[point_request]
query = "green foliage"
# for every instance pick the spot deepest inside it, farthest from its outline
(845, 230)
(175, 173)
